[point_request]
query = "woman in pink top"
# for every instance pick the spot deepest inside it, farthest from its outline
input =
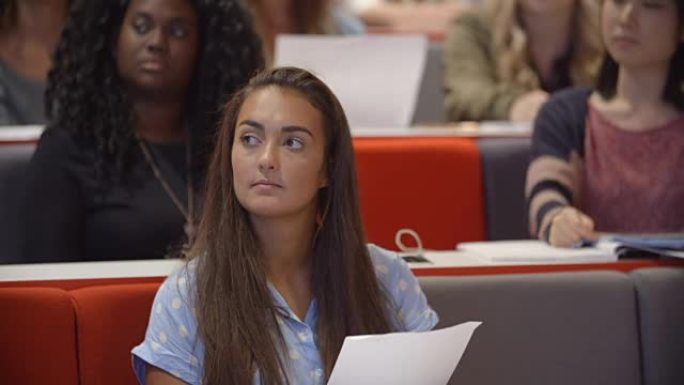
(611, 160)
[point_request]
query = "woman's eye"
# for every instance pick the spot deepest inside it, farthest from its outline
(249, 140)
(142, 25)
(178, 31)
(294, 143)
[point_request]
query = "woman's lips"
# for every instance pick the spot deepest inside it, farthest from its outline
(153, 65)
(266, 184)
(625, 40)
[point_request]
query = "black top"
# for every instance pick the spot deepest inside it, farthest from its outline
(21, 99)
(73, 215)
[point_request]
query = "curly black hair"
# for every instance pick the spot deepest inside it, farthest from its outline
(86, 96)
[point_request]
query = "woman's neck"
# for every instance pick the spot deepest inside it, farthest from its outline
(28, 43)
(286, 247)
(160, 122)
(640, 87)
(638, 103)
(285, 244)
(549, 38)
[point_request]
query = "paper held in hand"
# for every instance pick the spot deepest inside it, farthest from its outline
(425, 358)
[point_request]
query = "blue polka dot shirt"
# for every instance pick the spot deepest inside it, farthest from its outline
(172, 344)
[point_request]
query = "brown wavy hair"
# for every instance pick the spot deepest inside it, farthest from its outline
(308, 17)
(511, 43)
(236, 315)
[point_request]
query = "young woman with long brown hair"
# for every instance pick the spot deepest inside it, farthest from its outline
(280, 272)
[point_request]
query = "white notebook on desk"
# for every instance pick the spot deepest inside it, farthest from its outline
(425, 358)
(534, 251)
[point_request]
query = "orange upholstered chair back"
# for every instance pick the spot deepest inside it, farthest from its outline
(38, 337)
(111, 321)
(431, 185)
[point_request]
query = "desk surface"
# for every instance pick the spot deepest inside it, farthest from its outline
(20, 134)
(31, 134)
(80, 274)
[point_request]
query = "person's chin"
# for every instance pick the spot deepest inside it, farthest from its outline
(267, 212)
(156, 88)
(265, 207)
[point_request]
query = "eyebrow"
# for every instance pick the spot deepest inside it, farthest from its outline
(172, 19)
(287, 129)
(142, 14)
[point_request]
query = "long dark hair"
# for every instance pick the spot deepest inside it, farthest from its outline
(235, 309)
(308, 17)
(8, 10)
(674, 86)
(86, 96)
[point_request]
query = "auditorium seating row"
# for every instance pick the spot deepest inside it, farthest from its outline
(589, 328)
(448, 189)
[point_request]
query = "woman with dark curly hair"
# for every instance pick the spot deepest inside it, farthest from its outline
(133, 100)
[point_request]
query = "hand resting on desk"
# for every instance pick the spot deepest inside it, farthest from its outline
(570, 227)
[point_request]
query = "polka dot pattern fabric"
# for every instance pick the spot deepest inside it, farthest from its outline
(172, 344)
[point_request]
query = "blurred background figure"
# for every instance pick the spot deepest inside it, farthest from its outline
(274, 17)
(29, 30)
(502, 63)
(133, 102)
(429, 17)
(611, 159)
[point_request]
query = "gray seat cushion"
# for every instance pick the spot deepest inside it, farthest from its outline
(660, 295)
(555, 328)
(504, 169)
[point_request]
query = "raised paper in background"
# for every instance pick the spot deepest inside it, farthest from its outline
(427, 358)
(376, 78)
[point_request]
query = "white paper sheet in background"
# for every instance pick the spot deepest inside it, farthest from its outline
(427, 358)
(376, 78)
(534, 251)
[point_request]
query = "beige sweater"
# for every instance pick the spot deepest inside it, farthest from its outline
(473, 91)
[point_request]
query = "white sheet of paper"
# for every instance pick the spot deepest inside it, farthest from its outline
(21, 133)
(533, 251)
(427, 358)
(375, 77)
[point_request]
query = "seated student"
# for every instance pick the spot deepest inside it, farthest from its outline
(133, 101)
(502, 63)
(430, 17)
(280, 273)
(29, 31)
(275, 17)
(611, 160)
